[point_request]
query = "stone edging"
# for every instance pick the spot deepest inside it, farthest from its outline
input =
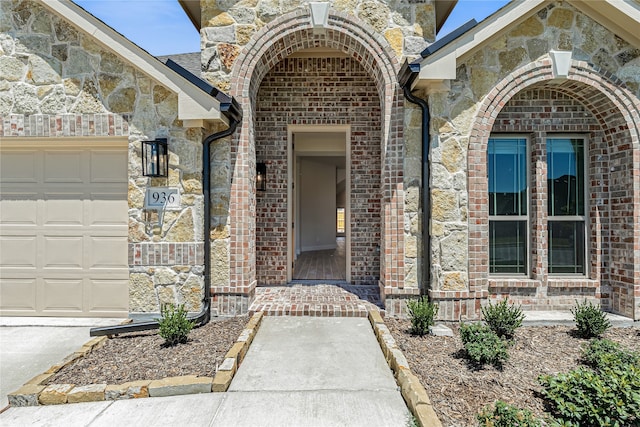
(412, 391)
(34, 392)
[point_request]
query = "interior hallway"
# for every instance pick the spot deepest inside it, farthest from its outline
(322, 265)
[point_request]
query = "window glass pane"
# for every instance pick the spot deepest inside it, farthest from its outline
(507, 247)
(566, 247)
(565, 176)
(507, 173)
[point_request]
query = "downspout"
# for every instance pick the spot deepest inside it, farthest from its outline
(412, 70)
(232, 111)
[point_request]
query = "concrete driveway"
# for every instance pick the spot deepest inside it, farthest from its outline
(30, 345)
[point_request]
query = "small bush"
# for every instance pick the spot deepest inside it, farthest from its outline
(590, 320)
(174, 325)
(505, 415)
(482, 345)
(422, 314)
(502, 318)
(584, 397)
(603, 355)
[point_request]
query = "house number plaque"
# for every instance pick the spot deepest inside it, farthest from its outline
(158, 198)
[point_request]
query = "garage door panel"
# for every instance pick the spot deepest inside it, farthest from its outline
(63, 209)
(18, 209)
(109, 295)
(108, 166)
(103, 210)
(18, 251)
(63, 252)
(108, 252)
(63, 241)
(63, 166)
(17, 294)
(19, 167)
(62, 295)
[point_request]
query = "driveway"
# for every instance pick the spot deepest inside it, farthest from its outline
(30, 345)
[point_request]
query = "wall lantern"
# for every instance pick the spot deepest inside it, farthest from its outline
(155, 160)
(261, 176)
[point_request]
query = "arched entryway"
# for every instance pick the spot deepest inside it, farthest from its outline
(344, 76)
(533, 107)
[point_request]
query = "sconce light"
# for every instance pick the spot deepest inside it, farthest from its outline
(155, 160)
(261, 176)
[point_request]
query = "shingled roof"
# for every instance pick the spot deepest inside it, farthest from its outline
(188, 61)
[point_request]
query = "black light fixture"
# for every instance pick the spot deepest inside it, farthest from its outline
(155, 160)
(261, 176)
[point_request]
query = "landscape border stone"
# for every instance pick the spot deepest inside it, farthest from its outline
(35, 393)
(411, 389)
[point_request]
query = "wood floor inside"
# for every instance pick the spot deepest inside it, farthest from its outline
(322, 265)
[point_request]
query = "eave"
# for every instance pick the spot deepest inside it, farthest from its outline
(620, 16)
(194, 105)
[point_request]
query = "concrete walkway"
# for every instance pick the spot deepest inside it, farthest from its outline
(29, 346)
(299, 371)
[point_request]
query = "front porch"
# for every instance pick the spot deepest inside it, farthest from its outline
(316, 298)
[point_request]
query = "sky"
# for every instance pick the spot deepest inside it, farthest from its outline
(162, 28)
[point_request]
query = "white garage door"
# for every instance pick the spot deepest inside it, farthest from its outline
(63, 229)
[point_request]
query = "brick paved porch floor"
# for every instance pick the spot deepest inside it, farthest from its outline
(316, 299)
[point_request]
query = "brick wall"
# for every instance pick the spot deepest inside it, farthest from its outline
(537, 113)
(318, 91)
(607, 117)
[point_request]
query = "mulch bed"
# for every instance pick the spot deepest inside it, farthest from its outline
(458, 391)
(142, 356)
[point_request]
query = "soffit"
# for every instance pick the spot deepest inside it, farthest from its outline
(620, 16)
(193, 103)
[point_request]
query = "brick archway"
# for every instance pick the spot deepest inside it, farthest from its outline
(617, 111)
(274, 42)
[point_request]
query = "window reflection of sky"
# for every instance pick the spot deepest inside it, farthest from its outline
(507, 165)
(562, 157)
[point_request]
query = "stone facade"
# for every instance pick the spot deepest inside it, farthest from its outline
(56, 81)
(508, 86)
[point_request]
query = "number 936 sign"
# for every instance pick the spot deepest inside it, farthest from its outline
(162, 198)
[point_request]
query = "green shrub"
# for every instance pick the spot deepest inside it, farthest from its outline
(174, 325)
(603, 355)
(607, 395)
(505, 415)
(590, 320)
(502, 318)
(422, 314)
(584, 397)
(482, 345)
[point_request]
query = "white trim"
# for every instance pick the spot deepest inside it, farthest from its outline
(193, 103)
(45, 142)
(586, 218)
(291, 210)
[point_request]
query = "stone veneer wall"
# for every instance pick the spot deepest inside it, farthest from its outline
(318, 91)
(229, 27)
(57, 81)
(605, 77)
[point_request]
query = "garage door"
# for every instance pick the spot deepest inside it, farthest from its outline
(63, 229)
